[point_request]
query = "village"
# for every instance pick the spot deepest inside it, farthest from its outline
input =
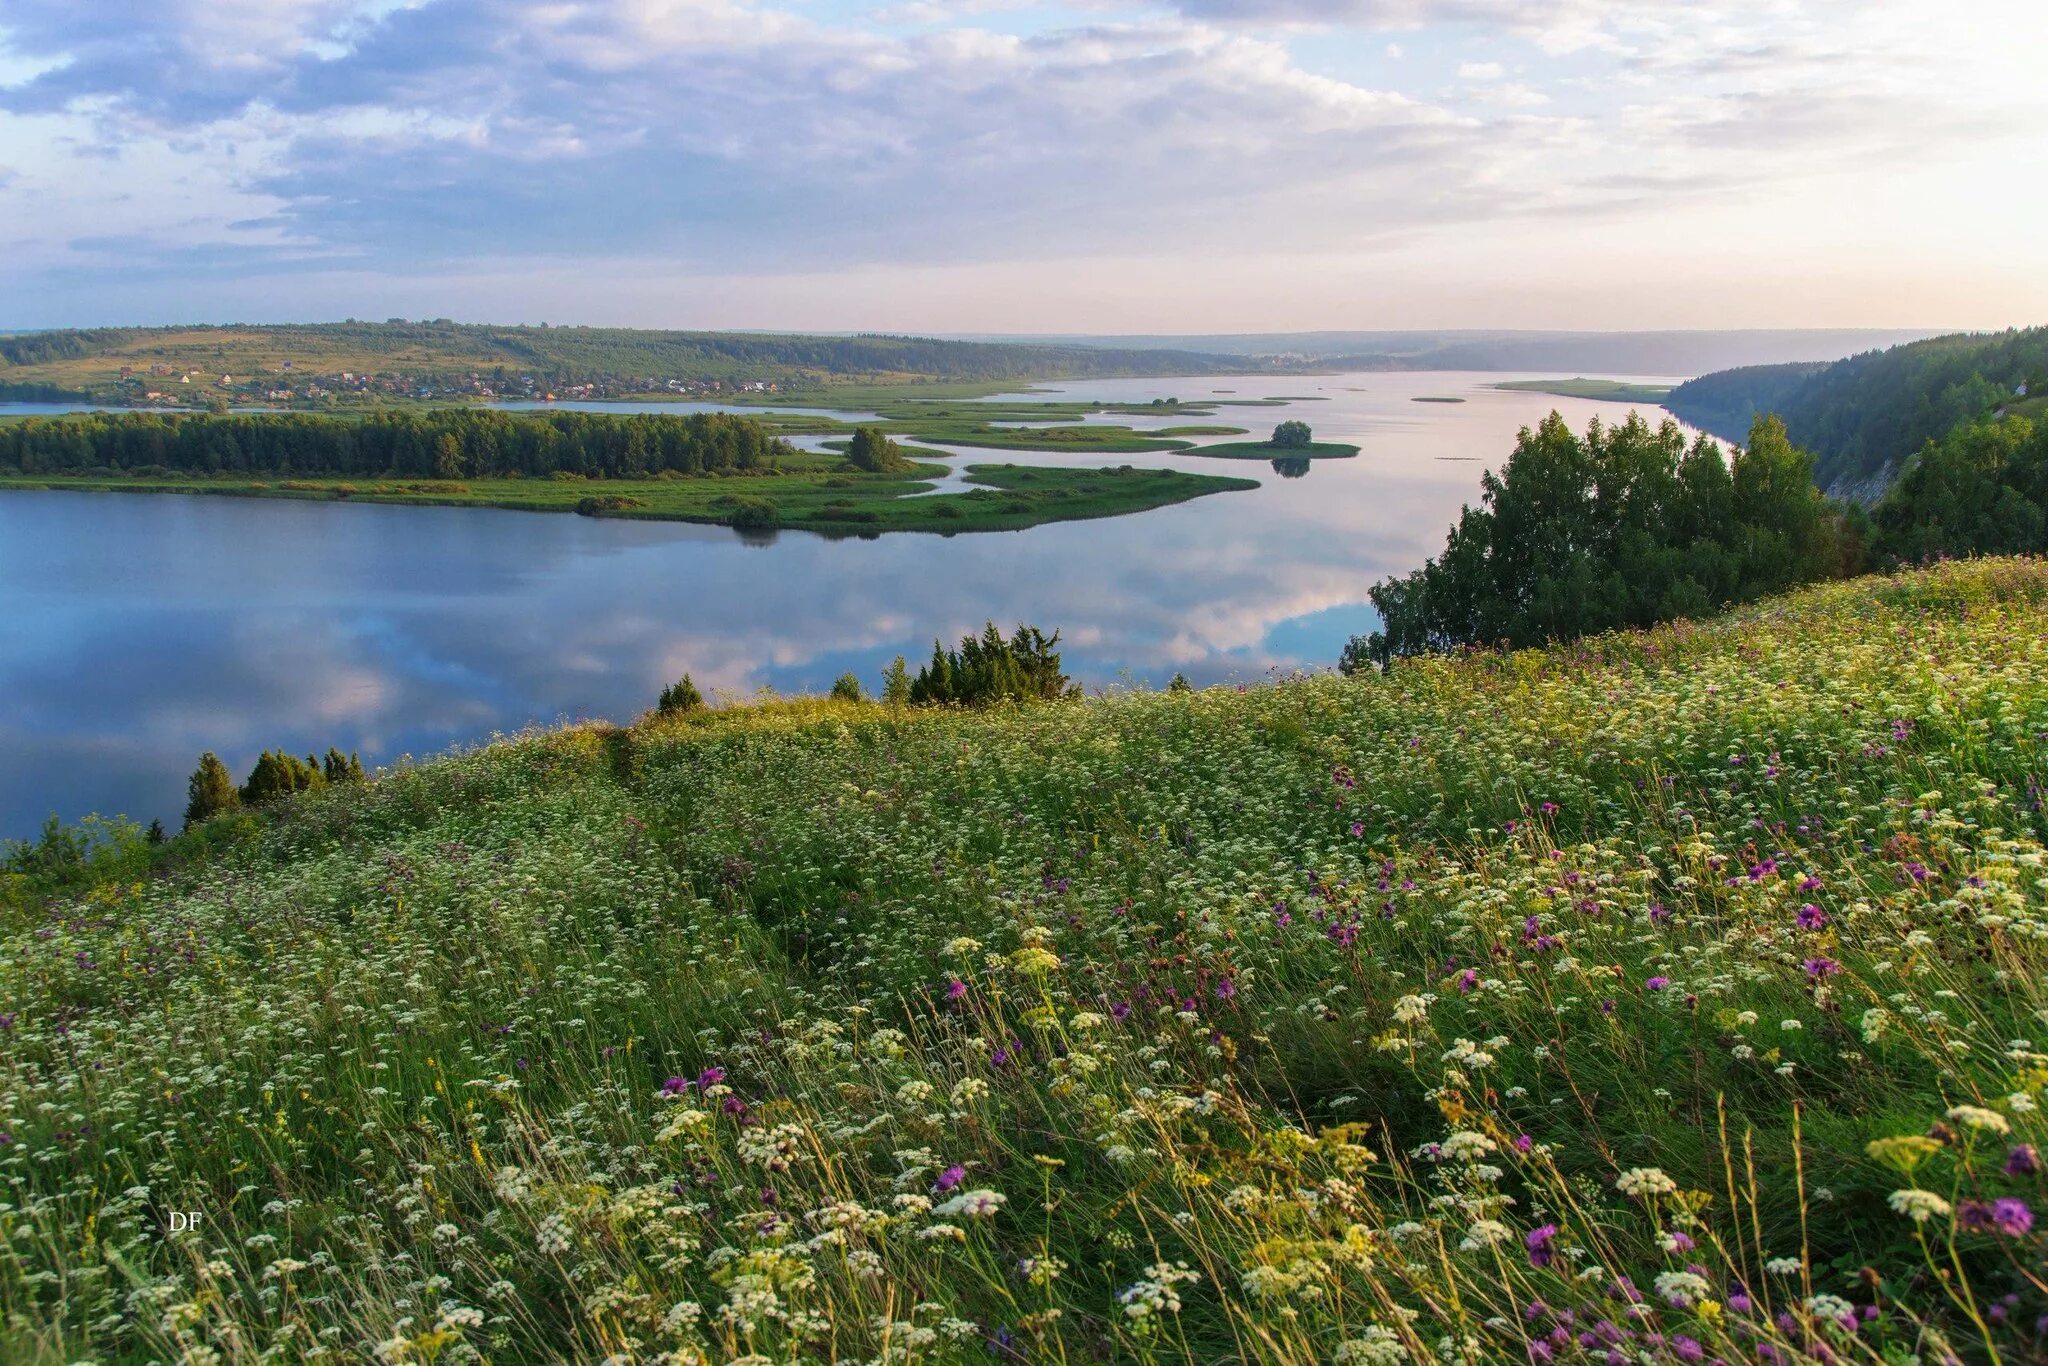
(167, 386)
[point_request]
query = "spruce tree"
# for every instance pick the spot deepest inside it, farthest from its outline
(680, 696)
(896, 683)
(846, 688)
(210, 791)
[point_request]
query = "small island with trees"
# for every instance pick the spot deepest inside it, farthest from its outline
(702, 467)
(1291, 440)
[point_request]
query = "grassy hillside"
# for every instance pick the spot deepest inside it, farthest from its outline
(1864, 415)
(441, 358)
(1677, 995)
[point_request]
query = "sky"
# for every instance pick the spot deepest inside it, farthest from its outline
(1026, 165)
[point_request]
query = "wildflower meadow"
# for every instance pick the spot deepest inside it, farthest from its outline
(1670, 996)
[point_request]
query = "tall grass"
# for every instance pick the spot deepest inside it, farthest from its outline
(1672, 996)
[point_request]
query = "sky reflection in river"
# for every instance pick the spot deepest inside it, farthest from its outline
(136, 631)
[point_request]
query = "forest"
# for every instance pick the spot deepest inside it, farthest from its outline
(1625, 526)
(438, 444)
(1861, 417)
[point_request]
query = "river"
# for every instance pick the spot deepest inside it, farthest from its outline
(139, 630)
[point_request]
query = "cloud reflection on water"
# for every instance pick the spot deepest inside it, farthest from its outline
(136, 631)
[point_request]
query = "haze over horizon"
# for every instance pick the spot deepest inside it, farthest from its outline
(1058, 167)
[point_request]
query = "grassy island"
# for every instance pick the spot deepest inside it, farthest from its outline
(1607, 390)
(1267, 450)
(1679, 988)
(698, 468)
(802, 496)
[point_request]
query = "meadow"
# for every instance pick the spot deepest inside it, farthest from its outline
(1667, 996)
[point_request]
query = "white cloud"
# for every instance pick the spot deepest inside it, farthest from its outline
(185, 145)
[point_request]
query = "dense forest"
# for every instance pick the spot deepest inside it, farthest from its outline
(439, 444)
(1625, 526)
(1862, 416)
(1629, 526)
(1980, 490)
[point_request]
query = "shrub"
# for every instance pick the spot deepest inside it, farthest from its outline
(679, 697)
(599, 504)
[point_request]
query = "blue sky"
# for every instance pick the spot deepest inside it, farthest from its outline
(985, 165)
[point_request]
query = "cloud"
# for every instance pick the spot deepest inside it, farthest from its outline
(394, 139)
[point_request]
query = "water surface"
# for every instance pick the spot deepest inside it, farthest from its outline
(137, 630)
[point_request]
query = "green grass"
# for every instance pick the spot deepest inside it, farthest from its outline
(1611, 390)
(1056, 425)
(1329, 1019)
(811, 493)
(1266, 450)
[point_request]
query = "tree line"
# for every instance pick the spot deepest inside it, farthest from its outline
(212, 790)
(984, 670)
(453, 443)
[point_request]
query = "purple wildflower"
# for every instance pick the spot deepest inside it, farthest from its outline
(1657, 983)
(949, 1178)
(1538, 1241)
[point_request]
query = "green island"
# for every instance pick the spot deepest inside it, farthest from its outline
(1267, 450)
(1011, 424)
(716, 468)
(1610, 390)
(1252, 1007)
(821, 497)
(1290, 447)
(1435, 398)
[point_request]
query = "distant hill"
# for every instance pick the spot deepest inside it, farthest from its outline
(1629, 353)
(1863, 415)
(444, 356)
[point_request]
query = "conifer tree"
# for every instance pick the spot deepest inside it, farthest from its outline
(210, 791)
(680, 696)
(896, 683)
